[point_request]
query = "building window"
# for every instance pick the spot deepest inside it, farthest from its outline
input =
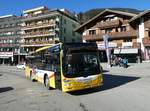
(74, 26)
(64, 30)
(127, 40)
(73, 40)
(108, 31)
(116, 29)
(6, 25)
(73, 33)
(92, 32)
(103, 31)
(123, 28)
(65, 22)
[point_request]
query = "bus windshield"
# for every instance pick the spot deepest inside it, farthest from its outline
(81, 64)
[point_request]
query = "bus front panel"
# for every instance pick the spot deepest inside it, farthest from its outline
(81, 70)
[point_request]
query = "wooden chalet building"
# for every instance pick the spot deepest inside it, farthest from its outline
(122, 36)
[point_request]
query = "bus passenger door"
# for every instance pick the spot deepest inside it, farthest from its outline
(57, 71)
(53, 65)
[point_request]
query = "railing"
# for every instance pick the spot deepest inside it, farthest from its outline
(113, 35)
(36, 43)
(37, 16)
(146, 41)
(108, 23)
(10, 27)
(136, 45)
(9, 44)
(9, 38)
(125, 34)
(125, 21)
(12, 35)
(38, 34)
(147, 24)
(35, 26)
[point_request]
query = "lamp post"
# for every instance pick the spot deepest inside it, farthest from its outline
(105, 38)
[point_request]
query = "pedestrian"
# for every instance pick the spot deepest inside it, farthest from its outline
(125, 62)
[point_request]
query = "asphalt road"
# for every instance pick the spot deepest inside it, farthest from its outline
(123, 90)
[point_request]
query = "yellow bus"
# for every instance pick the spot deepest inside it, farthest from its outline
(66, 66)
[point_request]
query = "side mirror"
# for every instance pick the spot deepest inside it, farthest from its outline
(101, 69)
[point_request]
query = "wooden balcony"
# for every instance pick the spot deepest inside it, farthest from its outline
(108, 24)
(136, 45)
(123, 34)
(146, 41)
(147, 24)
(113, 35)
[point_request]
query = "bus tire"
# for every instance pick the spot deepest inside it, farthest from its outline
(46, 81)
(31, 76)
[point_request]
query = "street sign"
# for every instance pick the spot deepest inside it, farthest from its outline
(105, 38)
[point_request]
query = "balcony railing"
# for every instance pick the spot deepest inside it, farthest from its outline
(12, 35)
(39, 16)
(147, 24)
(36, 44)
(113, 35)
(9, 44)
(35, 15)
(108, 24)
(9, 38)
(146, 41)
(45, 34)
(37, 26)
(10, 28)
(136, 45)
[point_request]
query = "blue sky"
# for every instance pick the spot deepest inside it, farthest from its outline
(17, 6)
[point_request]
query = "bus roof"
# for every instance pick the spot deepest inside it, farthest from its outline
(69, 46)
(88, 46)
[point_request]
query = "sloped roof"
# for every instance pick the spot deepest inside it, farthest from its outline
(139, 15)
(80, 28)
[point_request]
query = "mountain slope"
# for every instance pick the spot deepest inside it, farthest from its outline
(85, 16)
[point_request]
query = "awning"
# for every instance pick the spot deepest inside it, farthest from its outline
(126, 51)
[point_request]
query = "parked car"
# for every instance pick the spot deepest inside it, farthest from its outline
(21, 66)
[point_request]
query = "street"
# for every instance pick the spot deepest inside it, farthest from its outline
(123, 90)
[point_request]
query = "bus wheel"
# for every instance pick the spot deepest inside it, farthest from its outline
(46, 82)
(31, 77)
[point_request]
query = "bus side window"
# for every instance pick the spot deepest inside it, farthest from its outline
(56, 63)
(52, 63)
(49, 64)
